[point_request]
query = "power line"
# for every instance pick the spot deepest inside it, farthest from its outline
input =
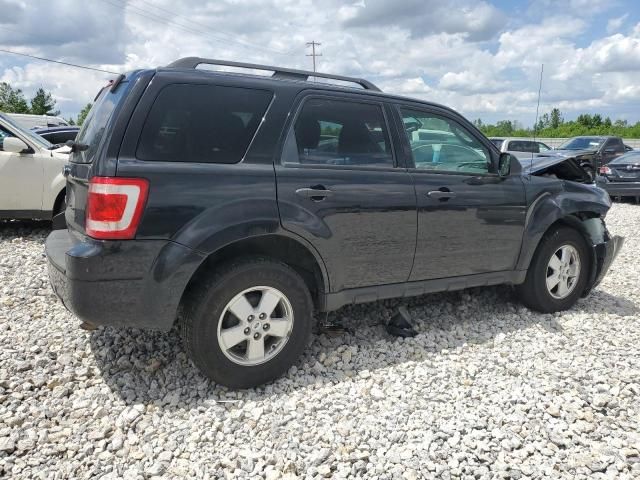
(217, 31)
(59, 62)
(167, 21)
(313, 54)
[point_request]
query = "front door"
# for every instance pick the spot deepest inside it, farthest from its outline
(340, 188)
(470, 220)
(20, 179)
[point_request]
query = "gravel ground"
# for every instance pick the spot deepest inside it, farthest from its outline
(488, 389)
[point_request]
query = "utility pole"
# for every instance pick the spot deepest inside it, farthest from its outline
(313, 44)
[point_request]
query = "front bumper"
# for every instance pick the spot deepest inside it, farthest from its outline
(604, 254)
(133, 283)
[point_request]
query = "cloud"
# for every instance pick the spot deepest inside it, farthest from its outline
(470, 55)
(475, 20)
(614, 24)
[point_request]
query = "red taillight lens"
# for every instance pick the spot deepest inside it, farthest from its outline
(605, 170)
(114, 207)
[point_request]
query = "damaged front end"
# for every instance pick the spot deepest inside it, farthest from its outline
(604, 251)
(557, 166)
(578, 201)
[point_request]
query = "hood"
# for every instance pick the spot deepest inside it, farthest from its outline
(554, 164)
(61, 152)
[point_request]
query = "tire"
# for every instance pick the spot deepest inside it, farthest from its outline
(208, 322)
(535, 293)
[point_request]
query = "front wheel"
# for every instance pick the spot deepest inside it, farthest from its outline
(558, 272)
(249, 323)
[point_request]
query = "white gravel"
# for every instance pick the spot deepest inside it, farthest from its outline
(487, 390)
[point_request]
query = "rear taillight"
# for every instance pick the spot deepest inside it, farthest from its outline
(114, 207)
(605, 170)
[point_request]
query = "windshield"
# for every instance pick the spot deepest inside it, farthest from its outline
(633, 157)
(582, 143)
(96, 122)
(33, 137)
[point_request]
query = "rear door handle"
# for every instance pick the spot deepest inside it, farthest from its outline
(440, 195)
(313, 193)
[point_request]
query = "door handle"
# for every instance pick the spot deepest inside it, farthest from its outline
(441, 195)
(314, 193)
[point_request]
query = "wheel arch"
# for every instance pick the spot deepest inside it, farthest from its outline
(291, 251)
(548, 212)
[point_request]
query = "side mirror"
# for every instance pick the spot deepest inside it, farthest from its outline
(15, 145)
(504, 164)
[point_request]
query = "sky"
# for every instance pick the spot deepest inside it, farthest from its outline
(481, 57)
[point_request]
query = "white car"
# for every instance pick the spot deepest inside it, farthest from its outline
(32, 184)
(30, 121)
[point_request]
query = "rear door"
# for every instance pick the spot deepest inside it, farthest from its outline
(340, 187)
(470, 220)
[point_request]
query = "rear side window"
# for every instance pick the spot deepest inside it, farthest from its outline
(202, 123)
(332, 132)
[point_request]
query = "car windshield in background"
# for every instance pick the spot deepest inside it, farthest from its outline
(633, 157)
(96, 122)
(35, 138)
(582, 143)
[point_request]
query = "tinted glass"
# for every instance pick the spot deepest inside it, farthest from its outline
(439, 143)
(330, 132)
(523, 146)
(581, 143)
(97, 120)
(202, 123)
(616, 144)
(633, 157)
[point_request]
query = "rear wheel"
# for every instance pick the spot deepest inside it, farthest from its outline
(558, 272)
(248, 323)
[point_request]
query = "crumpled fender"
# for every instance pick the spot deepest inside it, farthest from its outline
(581, 206)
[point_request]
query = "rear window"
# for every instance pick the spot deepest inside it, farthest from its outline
(202, 123)
(523, 146)
(95, 124)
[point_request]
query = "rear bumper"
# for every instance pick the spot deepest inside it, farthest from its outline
(134, 283)
(621, 189)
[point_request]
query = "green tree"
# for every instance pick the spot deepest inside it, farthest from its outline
(555, 118)
(12, 100)
(83, 114)
(43, 103)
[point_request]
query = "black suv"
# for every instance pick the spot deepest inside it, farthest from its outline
(240, 203)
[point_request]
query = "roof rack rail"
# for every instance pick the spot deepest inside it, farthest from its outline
(278, 72)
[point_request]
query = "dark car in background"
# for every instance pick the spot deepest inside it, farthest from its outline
(593, 151)
(621, 177)
(58, 135)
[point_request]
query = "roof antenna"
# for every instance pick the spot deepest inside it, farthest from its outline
(535, 125)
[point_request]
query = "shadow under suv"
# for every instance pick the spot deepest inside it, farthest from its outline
(239, 204)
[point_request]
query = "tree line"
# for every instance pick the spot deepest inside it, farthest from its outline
(553, 125)
(13, 100)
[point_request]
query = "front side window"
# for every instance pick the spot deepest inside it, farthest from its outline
(4, 133)
(543, 147)
(441, 144)
(202, 123)
(332, 132)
